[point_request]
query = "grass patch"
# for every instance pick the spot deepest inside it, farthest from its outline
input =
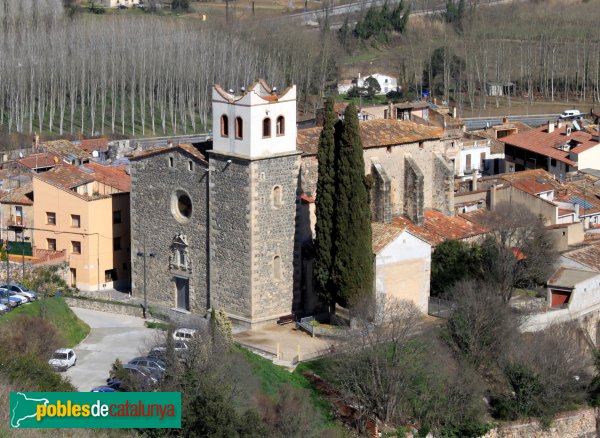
(72, 329)
(272, 377)
(157, 325)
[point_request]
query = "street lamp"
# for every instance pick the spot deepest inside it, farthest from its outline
(144, 254)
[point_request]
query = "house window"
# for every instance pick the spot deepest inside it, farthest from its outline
(388, 149)
(266, 127)
(116, 243)
(421, 145)
(280, 128)
(50, 218)
(482, 160)
(190, 165)
(277, 197)
(75, 247)
(224, 126)
(110, 275)
(468, 165)
(51, 244)
(239, 128)
(552, 162)
(181, 257)
(117, 217)
(277, 267)
(75, 221)
(170, 161)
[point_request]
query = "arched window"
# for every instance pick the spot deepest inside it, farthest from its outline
(267, 127)
(277, 197)
(277, 267)
(280, 128)
(239, 128)
(224, 126)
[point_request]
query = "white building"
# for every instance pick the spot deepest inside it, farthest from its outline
(117, 3)
(469, 157)
(402, 265)
(386, 83)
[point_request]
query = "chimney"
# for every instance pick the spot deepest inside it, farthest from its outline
(505, 120)
(550, 127)
(474, 180)
(454, 112)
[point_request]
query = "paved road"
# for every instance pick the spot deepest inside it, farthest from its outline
(531, 120)
(111, 337)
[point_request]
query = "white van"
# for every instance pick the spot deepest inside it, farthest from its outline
(183, 334)
(571, 114)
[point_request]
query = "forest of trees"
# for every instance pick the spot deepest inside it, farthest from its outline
(142, 75)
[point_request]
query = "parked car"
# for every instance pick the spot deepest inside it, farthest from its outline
(12, 299)
(4, 308)
(152, 363)
(20, 289)
(570, 114)
(105, 388)
(159, 351)
(183, 334)
(63, 359)
(139, 377)
(12, 293)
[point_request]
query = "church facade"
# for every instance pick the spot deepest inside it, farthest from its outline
(215, 228)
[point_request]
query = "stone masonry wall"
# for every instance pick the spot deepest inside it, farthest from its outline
(414, 190)
(575, 424)
(381, 194)
(153, 184)
(392, 160)
(230, 237)
(116, 307)
(273, 231)
(443, 186)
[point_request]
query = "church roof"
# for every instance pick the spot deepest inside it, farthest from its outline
(188, 148)
(375, 133)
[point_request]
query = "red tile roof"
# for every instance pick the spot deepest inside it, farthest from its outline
(532, 186)
(19, 196)
(37, 161)
(114, 176)
(544, 143)
(383, 235)
(94, 144)
(588, 255)
(69, 177)
(190, 149)
(375, 133)
(438, 228)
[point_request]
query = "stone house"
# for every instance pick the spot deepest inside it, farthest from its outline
(220, 221)
(406, 160)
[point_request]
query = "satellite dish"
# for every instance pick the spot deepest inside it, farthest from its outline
(95, 154)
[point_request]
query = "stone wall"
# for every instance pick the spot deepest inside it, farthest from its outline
(443, 186)
(230, 243)
(155, 222)
(273, 231)
(381, 194)
(115, 307)
(414, 190)
(575, 424)
(437, 185)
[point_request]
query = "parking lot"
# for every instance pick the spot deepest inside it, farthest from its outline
(111, 337)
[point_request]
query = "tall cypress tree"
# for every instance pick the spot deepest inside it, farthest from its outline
(325, 210)
(353, 260)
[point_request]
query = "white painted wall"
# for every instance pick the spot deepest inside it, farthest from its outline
(589, 159)
(253, 109)
(475, 158)
(403, 270)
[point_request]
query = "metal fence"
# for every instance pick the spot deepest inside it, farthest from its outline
(440, 308)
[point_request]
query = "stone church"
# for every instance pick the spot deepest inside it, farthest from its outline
(225, 224)
(214, 226)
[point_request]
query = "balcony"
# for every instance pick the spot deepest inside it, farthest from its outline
(15, 222)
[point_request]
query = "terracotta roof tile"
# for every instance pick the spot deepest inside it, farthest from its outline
(383, 235)
(438, 228)
(19, 196)
(190, 149)
(532, 186)
(64, 148)
(375, 133)
(114, 176)
(65, 176)
(588, 255)
(94, 144)
(539, 140)
(37, 161)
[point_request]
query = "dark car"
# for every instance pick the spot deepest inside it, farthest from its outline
(138, 378)
(152, 363)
